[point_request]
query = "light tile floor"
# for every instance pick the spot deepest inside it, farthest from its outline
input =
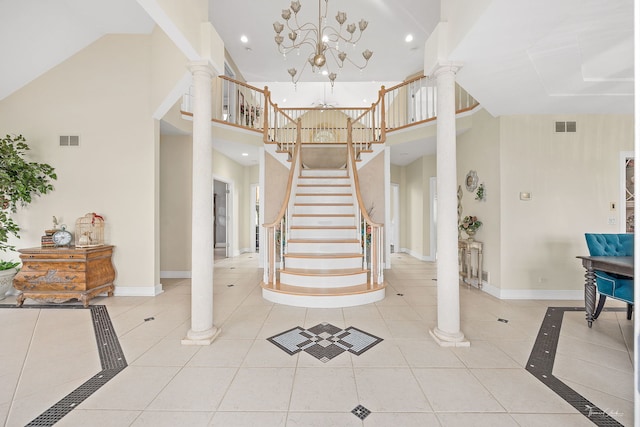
(244, 380)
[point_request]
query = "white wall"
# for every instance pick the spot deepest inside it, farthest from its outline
(479, 149)
(175, 203)
(101, 94)
(572, 178)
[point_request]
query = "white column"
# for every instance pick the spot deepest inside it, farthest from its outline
(202, 331)
(447, 333)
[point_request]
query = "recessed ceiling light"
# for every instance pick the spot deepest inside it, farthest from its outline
(409, 38)
(284, 100)
(245, 154)
(244, 39)
(325, 72)
(364, 101)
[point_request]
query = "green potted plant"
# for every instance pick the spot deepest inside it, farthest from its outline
(20, 181)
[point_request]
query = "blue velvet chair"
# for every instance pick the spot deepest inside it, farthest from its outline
(608, 284)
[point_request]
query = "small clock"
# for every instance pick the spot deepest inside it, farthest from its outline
(62, 237)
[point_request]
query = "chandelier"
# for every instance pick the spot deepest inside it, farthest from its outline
(324, 40)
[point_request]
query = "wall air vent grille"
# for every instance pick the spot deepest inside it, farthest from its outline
(69, 140)
(566, 127)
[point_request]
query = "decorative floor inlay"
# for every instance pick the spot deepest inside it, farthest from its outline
(540, 365)
(111, 358)
(361, 412)
(324, 341)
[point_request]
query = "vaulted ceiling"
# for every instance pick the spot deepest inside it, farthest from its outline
(519, 56)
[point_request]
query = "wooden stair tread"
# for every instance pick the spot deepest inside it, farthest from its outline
(322, 177)
(324, 194)
(324, 241)
(322, 255)
(323, 271)
(324, 185)
(323, 227)
(347, 290)
(323, 204)
(324, 215)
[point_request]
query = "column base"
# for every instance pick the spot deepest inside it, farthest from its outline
(445, 339)
(202, 337)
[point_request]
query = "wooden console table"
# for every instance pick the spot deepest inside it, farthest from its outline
(470, 250)
(60, 274)
(609, 264)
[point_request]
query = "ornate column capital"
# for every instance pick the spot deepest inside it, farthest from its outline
(445, 67)
(201, 66)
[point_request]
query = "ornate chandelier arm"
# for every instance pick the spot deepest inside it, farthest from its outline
(335, 35)
(342, 56)
(284, 48)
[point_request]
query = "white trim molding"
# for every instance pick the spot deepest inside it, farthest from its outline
(138, 291)
(533, 294)
(175, 274)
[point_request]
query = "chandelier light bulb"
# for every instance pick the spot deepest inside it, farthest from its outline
(363, 25)
(278, 27)
(341, 17)
(319, 60)
(286, 14)
(367, 54)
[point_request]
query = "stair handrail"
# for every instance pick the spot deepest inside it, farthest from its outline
(377, 265)
(282, 219)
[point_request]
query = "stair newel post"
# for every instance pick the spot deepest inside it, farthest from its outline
(265, 116)
(380, 272)
(374, 256)
(373, 123)
(271, 251)
(282, 239)
(299, 133)
(383, 119)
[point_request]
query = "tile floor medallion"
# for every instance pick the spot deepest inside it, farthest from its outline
(540, 365)
(324, 341)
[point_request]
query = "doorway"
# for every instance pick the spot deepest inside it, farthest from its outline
(220, 220)
(627, 192)
(254, 228)
(394, 241)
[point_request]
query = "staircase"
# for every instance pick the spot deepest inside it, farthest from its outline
(323, 263)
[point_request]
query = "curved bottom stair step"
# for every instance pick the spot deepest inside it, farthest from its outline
(323, 278)
(323, 297)
(323, 261)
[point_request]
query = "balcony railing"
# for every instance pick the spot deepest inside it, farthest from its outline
(410, 103)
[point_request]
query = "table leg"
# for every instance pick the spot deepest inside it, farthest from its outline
(589, 295)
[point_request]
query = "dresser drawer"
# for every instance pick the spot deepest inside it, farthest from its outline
(35, 266)
(51, 280)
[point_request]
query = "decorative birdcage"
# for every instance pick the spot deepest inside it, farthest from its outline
(90, 230)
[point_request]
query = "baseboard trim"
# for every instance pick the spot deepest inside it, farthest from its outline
(138, 291)
(417, 255)
(533, 294)
(175, 274)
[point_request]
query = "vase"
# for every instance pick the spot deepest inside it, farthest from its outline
(470, 233)
(6, 281)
